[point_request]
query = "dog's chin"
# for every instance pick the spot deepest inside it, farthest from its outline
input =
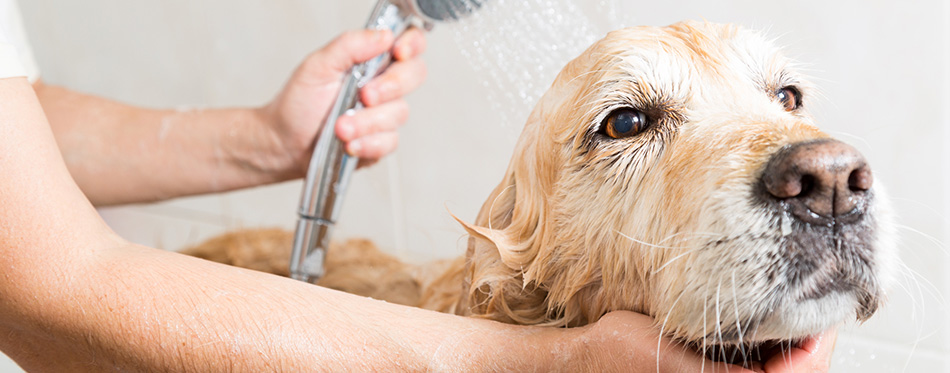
(808, 317)
(783, 329)
(746, 355)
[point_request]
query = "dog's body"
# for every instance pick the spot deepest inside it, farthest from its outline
(674, 172)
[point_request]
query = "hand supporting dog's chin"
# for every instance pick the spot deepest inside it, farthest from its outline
(813, 354)
(634, 344)
(756, 355)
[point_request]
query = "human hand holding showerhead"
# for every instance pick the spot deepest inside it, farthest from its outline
(296, 114)
(333, 158)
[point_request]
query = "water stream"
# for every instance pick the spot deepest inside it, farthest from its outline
(519, 46)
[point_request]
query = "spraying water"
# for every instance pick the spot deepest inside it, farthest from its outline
(519, 46)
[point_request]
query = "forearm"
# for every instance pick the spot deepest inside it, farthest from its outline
(122, 154)
(140, 309)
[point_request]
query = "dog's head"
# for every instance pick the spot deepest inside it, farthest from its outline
(677, 172)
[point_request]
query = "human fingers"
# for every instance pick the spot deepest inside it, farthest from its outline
(383, 118)
(373, 147)
(348, 49)
(814, 355)
(410, 44)
(630, 341)
(398, 80)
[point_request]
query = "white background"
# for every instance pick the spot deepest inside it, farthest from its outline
(883, 67)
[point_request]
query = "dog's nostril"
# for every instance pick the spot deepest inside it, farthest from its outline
(860, 179)
(824, 178)
(807, 184)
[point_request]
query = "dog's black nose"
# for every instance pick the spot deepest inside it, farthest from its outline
(820, 180)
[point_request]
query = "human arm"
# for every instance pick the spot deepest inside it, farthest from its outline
(119, 153)
(75, 297)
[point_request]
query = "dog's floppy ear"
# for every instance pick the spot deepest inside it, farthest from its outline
(512, 218)
(505, 240)
(506, 267)
(494, 221)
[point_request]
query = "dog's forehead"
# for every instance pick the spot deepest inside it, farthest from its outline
(687, 57)
(688, 70)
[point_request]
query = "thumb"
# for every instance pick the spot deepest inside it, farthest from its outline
(351, 48)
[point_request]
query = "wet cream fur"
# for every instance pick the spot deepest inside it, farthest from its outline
(577, 229)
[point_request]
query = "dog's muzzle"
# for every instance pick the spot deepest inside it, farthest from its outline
(824, 188)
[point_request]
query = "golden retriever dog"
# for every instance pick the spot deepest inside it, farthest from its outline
(672, 171)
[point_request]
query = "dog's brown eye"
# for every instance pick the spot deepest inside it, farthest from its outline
(790, 97)
(624, 122)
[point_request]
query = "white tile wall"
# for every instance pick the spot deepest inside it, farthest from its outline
(883, 66)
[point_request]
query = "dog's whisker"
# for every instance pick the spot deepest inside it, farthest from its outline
(916, 296)
(934, 240)
(918, 288)
(705, 332)
(659, 341)
(735, 300)
(854, 137)
(788, 354)
(924, 289)
(936, 214)
(689, 235)
(719, 319)
(675, 258)
(647, 244)
(755, 332)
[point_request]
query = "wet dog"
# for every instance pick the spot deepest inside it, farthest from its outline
(675, 172)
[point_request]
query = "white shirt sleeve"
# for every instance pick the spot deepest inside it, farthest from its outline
(16, 57)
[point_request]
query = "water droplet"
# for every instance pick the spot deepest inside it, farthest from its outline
(786, 224)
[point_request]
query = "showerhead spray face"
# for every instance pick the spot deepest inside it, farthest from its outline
(330, 166)
(444, 10)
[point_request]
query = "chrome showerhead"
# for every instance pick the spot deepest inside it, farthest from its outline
(444, 10)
